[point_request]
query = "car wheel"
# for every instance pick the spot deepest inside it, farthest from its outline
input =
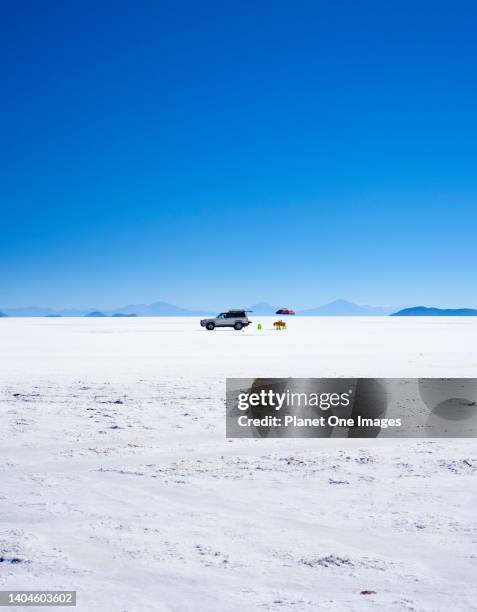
(238, 326)
(210, 326)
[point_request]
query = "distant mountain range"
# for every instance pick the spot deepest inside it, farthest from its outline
(160, 309)
(37, 311)
(422, 311)
(338, 308)
(262, 309)
(342, 308)
(157, 309)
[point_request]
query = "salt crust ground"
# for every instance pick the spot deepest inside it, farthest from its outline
(117, 480)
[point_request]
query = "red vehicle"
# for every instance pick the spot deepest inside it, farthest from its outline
(285, 311)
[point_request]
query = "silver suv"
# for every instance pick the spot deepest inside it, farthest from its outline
(232, 318)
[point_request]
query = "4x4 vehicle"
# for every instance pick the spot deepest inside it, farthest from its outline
(232, 318)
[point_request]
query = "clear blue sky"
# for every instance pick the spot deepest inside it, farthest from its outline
(217, 153)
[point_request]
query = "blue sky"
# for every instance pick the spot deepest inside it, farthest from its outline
(217, 153)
